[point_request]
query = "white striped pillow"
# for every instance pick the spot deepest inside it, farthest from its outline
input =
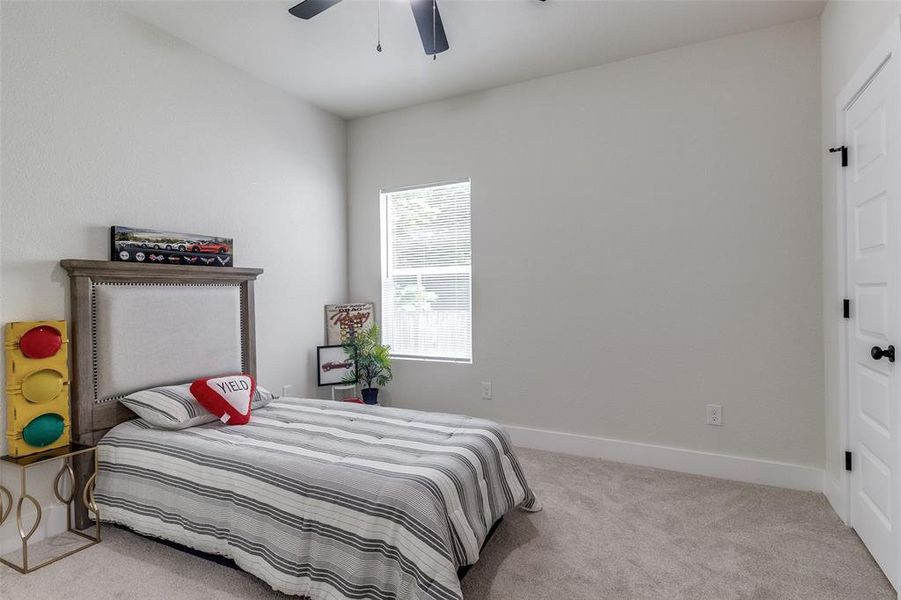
(261, 397)
(174, 407)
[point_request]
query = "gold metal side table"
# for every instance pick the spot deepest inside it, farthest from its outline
(67, 454)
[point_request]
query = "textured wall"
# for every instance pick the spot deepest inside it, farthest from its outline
(646, 240)
(106, 121)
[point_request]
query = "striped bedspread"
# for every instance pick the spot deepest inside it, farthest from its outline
(321, 499)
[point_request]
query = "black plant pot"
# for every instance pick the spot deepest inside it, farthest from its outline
(370, 395)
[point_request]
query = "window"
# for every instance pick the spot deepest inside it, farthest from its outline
(427, 272)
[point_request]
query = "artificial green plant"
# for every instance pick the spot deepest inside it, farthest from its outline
(373, 359)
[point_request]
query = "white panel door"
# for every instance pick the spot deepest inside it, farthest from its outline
(872, 121)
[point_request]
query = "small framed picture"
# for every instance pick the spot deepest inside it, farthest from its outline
(334, 365)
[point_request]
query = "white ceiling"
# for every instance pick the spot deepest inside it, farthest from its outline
(331, 60)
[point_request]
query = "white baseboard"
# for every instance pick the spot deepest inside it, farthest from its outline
(723, 466)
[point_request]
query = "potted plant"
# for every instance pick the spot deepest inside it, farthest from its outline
(373, 363)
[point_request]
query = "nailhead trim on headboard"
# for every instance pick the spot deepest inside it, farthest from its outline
(94, 358)
(89, 420)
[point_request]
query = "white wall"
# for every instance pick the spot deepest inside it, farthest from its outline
(646, 240)
(848, 31)
(108, 121)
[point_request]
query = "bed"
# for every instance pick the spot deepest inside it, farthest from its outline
(320, 499)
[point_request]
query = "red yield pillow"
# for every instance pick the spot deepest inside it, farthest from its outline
(228, 397)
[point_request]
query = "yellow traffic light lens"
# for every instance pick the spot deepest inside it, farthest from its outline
(42, 386)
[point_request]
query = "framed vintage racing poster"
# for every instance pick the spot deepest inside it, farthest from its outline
(342, 321)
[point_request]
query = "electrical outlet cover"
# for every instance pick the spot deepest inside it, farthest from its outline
(714, 414)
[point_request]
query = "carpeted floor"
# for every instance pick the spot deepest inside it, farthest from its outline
(608, 531)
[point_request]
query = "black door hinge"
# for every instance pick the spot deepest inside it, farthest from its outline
(846, 308)
(848, 460)
(844, 151)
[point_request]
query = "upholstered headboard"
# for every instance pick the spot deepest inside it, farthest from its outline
(138, 326)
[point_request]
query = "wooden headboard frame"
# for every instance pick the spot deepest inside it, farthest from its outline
(91, 420)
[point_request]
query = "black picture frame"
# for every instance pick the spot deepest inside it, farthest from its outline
(328, 356)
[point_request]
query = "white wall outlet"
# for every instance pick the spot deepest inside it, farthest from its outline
(286, 389)
(714, 414)
(486, 390)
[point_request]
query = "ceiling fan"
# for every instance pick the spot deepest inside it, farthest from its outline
(425, 12)
(428, 20)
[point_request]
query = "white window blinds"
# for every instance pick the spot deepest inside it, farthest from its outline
(427, 272)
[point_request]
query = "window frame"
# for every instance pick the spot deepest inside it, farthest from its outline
(384, 260)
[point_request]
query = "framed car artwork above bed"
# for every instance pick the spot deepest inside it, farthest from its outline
(317, 498)
(149, 246)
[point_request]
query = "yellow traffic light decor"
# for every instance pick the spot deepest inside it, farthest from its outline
(37, 386)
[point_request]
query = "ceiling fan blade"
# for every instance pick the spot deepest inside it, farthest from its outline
(310, 8)
(434, 40)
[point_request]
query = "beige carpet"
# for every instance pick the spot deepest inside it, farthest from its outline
(608, 531)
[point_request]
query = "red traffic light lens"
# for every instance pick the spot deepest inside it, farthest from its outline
(41, 342)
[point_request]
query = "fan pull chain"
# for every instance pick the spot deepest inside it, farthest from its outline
(378, 47)
(434, 30)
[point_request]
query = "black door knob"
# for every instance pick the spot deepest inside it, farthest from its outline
(877, 353)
